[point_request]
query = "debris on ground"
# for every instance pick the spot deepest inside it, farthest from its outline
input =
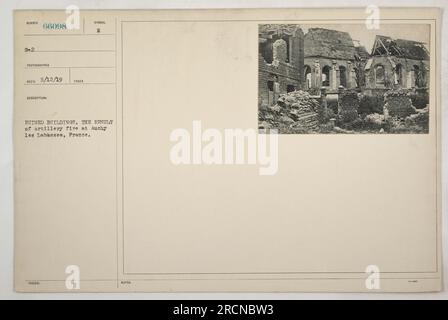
(294, 110)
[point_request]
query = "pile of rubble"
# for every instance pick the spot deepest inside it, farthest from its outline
(348, 105)
(398, 103)
(421, 119)
(293, 110)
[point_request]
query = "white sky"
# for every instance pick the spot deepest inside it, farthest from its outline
(366, 37)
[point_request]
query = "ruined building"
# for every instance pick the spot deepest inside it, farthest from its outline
(361, 58)
(280, 59)
(332, 60)
(397, 63)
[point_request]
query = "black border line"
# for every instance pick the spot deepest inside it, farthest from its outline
(267, 273)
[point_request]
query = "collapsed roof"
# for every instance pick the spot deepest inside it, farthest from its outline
(409, 49)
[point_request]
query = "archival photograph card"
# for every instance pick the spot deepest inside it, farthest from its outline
(255, 150)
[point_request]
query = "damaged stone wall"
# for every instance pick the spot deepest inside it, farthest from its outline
(398, 104)
(392, 77)
(293, 110)
(348, 105)
(280, 62)
(317, 64)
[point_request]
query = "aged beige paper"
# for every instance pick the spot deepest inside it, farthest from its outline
(227, 150)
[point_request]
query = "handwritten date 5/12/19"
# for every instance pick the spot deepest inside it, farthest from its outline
(51, 79)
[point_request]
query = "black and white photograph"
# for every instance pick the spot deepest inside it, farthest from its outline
(224, 159)
(344, 78)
